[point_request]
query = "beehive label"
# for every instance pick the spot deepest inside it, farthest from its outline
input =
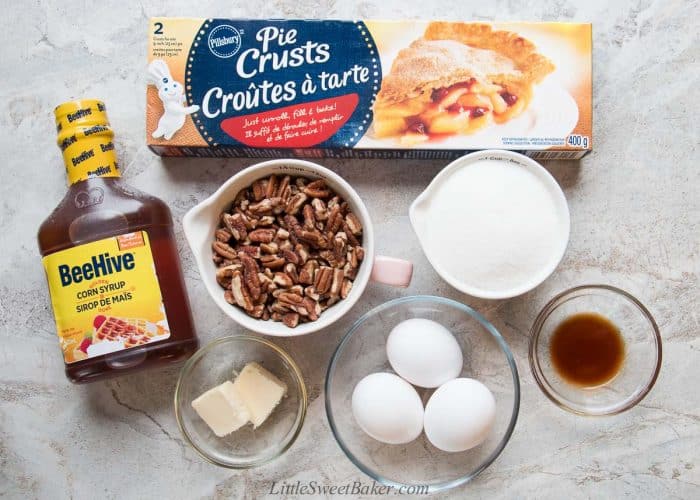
(105, 296)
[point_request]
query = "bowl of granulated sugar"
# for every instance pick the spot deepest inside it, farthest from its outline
(494, 224)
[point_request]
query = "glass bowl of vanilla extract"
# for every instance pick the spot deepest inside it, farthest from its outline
(595, 350)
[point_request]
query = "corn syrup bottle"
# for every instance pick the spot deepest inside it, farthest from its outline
(111, 262)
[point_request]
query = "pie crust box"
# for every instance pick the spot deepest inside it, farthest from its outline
(367, 89)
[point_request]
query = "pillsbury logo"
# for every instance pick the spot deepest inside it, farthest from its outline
(224, 41)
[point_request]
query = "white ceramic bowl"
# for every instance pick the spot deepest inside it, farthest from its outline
(420, 220)
(202, 220)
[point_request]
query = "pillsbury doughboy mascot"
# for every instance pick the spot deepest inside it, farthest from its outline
(172, 95)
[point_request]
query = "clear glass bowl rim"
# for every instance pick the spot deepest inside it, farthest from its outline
(536, 329)
(301, 414)
(433, 488)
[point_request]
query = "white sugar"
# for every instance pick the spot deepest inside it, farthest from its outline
(495, 226)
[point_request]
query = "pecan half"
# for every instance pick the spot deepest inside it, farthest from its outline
(338, 276)
(340, 244)
(283, 280)
(242, 202)
(262, 207)
(272, 261)
(307, 273)
(291, 319)
(350, 272)
(262, 299)
(352, 259)
(262, 235)
(320, 211)
(313, 309)
(335, 219)
(269, 248)
(353, 223)
(278, 205)
(313, 238)
(323, 279)
(352, 239)
(332, 259)
(295, 203)
(286, 194)
(236, 225)
(291, 271)
(290, 256)
(293, 224)
(250, 275)
(223, 234)
(265, 220)
(310, 291)
(289, 299)
(345, 288)
(224, 250)
(266, 283)
(283, 187)
(224, 275)
(258, 190)
(317, 189)
(257, 310)
(333, 202)
(277, 307)
(302, 252)
(286, 245)
(249, 250)
(271, 186)
(309, 217)
(240, 293)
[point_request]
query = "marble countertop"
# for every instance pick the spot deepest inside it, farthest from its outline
(635, 218)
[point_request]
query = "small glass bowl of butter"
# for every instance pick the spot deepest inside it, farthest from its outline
(203, 388)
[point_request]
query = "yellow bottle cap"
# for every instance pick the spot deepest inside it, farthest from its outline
(85, 137)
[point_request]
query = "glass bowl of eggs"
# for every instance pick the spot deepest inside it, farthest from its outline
(422, 394)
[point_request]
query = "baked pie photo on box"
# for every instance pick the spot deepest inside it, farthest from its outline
(457, 79)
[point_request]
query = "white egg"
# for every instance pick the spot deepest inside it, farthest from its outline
(424, 352)
(459, 415)
(388, 408)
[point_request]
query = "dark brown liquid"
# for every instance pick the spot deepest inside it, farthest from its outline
(587, 349)
(118, 209)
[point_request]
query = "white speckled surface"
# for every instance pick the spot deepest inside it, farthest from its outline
(635, 224)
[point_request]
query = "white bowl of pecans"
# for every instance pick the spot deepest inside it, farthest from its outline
(286, 247)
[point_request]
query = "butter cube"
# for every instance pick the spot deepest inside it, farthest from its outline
(260, 390)
(222, 409)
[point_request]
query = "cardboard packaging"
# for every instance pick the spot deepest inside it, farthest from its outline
(367, 89)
